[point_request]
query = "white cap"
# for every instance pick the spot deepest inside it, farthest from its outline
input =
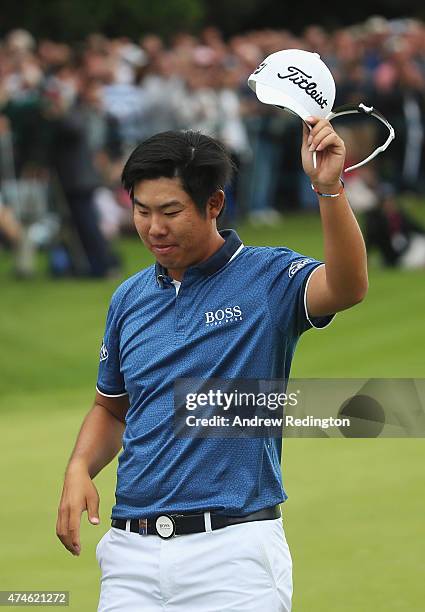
(296, 80)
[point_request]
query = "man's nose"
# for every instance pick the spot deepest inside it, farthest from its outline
(158, 226)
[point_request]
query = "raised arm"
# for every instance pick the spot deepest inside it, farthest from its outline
(98, 442)
(342, 282)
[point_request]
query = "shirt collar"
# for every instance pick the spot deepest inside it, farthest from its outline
(211, 265)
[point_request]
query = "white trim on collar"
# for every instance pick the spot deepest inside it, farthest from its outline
(236, 252)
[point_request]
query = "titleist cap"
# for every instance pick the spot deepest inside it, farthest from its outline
(296, 80)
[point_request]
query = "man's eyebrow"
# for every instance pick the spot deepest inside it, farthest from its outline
(170, 203)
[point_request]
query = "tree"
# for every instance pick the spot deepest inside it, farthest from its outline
(72, 20)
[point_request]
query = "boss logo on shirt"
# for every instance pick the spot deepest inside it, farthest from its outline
(223, 316)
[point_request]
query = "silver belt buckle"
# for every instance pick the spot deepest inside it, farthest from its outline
(165, 526)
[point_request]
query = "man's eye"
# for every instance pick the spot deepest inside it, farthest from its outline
(172, 214)
(144, 213)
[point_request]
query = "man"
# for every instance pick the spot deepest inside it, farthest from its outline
(72, 157)
(197, 525)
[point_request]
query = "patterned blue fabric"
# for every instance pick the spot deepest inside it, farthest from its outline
(232, 318)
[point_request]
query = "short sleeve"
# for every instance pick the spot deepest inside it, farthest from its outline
(289, 274)
(110, 381)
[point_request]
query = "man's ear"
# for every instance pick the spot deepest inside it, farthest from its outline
(215, 204)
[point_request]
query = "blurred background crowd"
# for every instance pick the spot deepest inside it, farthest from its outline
(70, 114)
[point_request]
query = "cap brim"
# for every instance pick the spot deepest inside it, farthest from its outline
(270, 95)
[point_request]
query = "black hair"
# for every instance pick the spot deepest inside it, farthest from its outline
(201, 162)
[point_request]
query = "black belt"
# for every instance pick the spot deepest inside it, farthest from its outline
(168, 525)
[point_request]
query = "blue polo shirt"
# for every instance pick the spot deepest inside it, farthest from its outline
(157, 331)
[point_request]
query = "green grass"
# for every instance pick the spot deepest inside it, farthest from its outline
(354, 517)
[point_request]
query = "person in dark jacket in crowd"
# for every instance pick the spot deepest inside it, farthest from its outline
(72, 160)
(398, 237)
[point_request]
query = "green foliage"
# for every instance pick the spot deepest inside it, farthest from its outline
(232, 16)
(74, 19)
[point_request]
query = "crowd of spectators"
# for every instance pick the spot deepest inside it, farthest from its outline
(70, 114)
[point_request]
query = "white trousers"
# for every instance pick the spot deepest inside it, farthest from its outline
(240, 568)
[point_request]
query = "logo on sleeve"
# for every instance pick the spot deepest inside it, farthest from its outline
(103, 352)
(298, 265)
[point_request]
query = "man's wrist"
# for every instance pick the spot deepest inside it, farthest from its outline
(330, 189)
(77, 465)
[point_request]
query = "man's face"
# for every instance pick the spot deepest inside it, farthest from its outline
(170, 225)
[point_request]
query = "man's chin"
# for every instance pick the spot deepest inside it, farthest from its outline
(168, 262)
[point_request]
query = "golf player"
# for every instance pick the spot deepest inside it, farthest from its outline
(197, 522)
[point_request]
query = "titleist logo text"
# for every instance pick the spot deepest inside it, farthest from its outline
(300, 78)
